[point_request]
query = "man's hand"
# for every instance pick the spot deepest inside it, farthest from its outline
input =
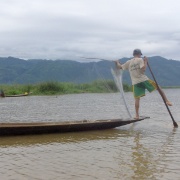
(145, 59)
(118, 65)
(145, 63)
(116, 62)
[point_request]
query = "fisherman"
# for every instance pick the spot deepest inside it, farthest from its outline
(2, 93)
(140, 81)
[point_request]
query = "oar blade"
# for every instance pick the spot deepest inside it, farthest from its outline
(175, 124)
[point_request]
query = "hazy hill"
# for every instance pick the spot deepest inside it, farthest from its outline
(14, 70)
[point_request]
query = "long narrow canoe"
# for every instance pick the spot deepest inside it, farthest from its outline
(18, 95)
(62, 127)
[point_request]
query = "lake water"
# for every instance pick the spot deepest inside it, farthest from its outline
(149, 149)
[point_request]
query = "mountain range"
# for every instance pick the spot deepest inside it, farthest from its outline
(19, 71)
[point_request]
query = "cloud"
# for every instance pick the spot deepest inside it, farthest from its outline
(72, 28)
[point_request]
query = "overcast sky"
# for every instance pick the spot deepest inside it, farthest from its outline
(67, 29)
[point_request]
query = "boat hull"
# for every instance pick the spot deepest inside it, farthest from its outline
(18, 95)
(61, 127)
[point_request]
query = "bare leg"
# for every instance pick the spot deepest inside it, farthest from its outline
(164, 96)
(137, 102)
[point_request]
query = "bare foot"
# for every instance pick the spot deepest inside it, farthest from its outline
(168, 103)
(136, 118)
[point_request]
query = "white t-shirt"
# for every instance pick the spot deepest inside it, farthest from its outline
(134, 66)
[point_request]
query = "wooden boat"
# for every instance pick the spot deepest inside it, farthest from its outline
(62, 127)
(18, 95)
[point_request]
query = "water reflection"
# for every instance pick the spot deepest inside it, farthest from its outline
(142, 159)
(145, 163)
(29, 140)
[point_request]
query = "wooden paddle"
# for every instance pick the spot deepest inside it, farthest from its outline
(174, 122)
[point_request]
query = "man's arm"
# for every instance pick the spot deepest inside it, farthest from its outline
(145, 64)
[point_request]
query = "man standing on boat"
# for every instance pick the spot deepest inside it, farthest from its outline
(140, 81)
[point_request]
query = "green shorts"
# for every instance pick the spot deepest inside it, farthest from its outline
(139, 89)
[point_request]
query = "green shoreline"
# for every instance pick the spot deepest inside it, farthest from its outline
(58, 88)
